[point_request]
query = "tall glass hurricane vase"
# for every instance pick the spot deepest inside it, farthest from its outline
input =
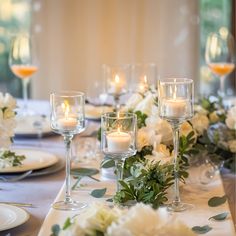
(67, 119)
(23, 63)
(175, 98)
(118, 138)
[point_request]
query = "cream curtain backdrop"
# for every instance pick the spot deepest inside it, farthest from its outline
(75, 37)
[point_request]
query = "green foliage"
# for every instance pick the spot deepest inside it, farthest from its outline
(12, 157)
(220, 217)
(55, 230)
(67, 223)
(147, 184)
(98, 193)
(141, 117)
(201, 229)
(217, 201)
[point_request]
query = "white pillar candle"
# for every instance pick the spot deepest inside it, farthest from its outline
(175, 107)
(67, 123)
(118, 142)
(116, 85)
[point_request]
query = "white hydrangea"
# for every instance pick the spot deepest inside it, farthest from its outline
(231, 118)
(142, 220)
(7, 119)
(200, 123)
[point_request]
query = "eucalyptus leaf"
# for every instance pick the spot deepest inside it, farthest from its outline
(98, 193)
(220, 217)
(84, 171)
(55, 230)
(108, 163)
(201, 229)
(217, 201)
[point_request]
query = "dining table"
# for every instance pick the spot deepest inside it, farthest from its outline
(42, 190)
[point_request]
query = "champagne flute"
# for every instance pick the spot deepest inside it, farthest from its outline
(175, 104)
(23, 63)
(67, 119)
(220, 55)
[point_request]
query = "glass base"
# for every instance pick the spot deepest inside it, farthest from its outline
(69, 206)
(179, 207)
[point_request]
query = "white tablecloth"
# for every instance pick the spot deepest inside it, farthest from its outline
(191, 193)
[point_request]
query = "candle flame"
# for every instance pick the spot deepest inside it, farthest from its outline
(117, 79)
(66, 108)
(145, 79)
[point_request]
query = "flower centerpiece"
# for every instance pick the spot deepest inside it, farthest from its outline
(149, 174)
(140, 219)
(7, 126)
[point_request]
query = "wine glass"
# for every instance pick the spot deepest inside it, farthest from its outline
(220, 56)
(116, 79)
(175, 104)
(143, 77)
(118, 138)
(67, 119)
(23, 63)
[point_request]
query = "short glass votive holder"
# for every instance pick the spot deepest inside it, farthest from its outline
(118, 138)
(116, 80)
(143, 77)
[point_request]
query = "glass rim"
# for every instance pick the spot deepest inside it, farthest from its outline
(176, 80)
(67, 93)
(127, 115)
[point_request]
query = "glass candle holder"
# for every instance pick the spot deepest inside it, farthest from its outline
(143, 77)
(67, 119)
(116, 79)
(118, 138)
(175, 104)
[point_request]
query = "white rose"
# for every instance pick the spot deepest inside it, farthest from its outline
(144, 138)
(2, 103)
(231, 118)
(164, 129)
(9, 101)
(200, 123)
(133, 101)
(8, 113)
(232, 145)
(160, 153)
(145, 106)
(214, 117)
(199, 109)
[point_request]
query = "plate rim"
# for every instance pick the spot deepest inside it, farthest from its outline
(21, 219)
(17, 169)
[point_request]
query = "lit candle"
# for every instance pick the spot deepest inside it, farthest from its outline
(117, 85)
(143, 85)
(67, 122)
(175, 107)
(118, 142)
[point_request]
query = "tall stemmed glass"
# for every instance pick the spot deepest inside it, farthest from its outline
(118, 138)
(116, 79)
(67, 119)
(175, 104)
(220, 56)
(23, 63)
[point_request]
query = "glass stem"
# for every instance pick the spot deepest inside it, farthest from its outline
(176, 201)
(25, 94)
(117, 102)
(67, 141)
(222, 86)
(119, 173)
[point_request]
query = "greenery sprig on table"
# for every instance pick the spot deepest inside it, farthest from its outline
(9, 158)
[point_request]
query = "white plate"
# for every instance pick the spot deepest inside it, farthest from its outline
(26, 125)
(11, 216)
(34, 160)
(95, 112)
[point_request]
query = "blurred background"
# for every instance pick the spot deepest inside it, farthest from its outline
(75, 37)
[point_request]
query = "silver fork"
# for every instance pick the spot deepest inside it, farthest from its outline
(16, 178)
